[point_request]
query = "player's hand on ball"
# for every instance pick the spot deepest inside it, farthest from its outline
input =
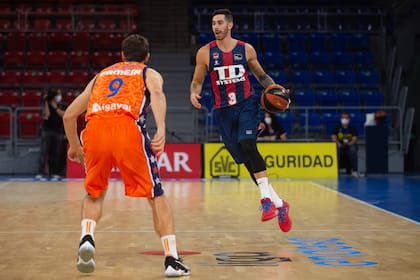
(275, 98)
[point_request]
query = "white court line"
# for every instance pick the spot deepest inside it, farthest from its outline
(245, 231)
(366, 203)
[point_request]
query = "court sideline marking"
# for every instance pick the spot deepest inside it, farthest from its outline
(365, 203)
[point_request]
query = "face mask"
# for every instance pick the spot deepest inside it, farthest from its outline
(345, 121)
(267, 120)
(57, 98)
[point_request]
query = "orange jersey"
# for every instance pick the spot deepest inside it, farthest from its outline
(119, 90)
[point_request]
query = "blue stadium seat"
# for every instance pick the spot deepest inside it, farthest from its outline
(342, 58)
(317, 42)
(286, 119)
(372, 98)
(313, 122)
(327, 98)
(253, 39)
(320, 58)
(323, 77)
(368, 76)
(345, 77)
(349, 97)
(303, 97)
(338, 41)
(280, 77)
(273, 60)
(296, 42)
(302, 77)
(271, 42)
(330, 120)
(358, 41)
(358, 120)
(364, 58)
(204, 38)
(298, 58)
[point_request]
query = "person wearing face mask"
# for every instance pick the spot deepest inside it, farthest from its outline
(272, 129)
(52, 154)
(345, 135)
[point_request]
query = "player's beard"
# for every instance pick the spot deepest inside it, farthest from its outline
(222, 34)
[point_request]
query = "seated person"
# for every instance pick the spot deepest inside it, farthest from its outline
(345, 135)
(272, 130)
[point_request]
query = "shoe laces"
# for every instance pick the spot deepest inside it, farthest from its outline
(282, 214)
(266, 205)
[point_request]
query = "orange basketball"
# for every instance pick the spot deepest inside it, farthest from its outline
(275, 98)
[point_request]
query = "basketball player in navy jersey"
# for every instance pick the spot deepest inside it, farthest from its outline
(236, 106)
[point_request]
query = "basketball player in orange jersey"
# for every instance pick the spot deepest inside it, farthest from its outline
(116, 101)
(236, 106)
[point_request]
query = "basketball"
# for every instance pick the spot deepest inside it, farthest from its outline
(275, 98)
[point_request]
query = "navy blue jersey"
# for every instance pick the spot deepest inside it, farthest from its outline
(228, 75)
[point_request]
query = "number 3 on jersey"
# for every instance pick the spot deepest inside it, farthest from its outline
(114, 86)
(232, 98)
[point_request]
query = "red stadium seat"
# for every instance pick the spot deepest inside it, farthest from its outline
(79, 58)
(31, 98)
(105, 42)
(106, 24)
(35, 58)
(42, 24)
(33, 77)
(71, 95)
(78, 78)
(63, 24)
(85, 24)
(102, 59)
(81, 41)
(57, 58)
(13, 59)
(5, 24)
(29, 124)
(56, 77)
(11, 77)
(60, 41)
(5, 125)
(10, 98)
(16, 41)
(128, 25)
(38, 41)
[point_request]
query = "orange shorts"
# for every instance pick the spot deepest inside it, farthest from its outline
(119, 142)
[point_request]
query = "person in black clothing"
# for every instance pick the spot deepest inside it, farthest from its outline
(52, 155)
(273, 129)
(345, 135)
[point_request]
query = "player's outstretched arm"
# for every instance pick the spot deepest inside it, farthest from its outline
(202, 61)
(76, 108)
(154, 83)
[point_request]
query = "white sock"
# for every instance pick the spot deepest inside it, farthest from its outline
(88, 227)
(264, 187)
(169, 245)
(275, 197)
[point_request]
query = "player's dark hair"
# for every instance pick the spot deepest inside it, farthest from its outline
(344, 113)
(226, 12)
(135, 48)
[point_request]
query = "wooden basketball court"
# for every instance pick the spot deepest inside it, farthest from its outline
(219, 233)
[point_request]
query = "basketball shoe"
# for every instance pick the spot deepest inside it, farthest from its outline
(85, 258)
(269, 210)
(175, 267)
(285, 223)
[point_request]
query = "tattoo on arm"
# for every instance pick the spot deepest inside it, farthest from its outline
(265, 80)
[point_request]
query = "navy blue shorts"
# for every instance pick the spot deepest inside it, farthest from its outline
(237, 123)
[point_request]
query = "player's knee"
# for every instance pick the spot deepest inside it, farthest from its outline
(255, 161)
